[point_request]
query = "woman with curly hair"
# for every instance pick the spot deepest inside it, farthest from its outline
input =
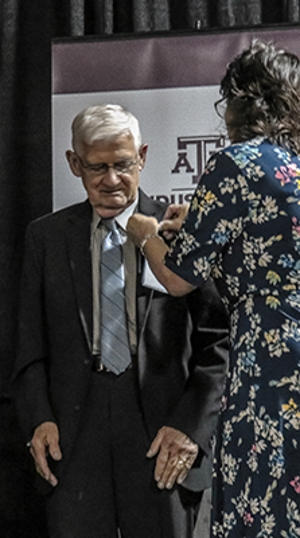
(243, 230)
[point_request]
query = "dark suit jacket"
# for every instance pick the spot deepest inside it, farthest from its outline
(182, 342)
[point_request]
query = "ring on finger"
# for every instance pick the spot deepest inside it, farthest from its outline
(174, 461)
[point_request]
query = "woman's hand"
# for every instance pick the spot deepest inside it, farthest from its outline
(173, 219)
(143, 231)
(139, 227)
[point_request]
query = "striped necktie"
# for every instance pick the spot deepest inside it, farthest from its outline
(115, 352)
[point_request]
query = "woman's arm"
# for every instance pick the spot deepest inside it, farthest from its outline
(143, 231)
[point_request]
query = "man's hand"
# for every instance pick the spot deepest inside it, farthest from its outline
(45, 442)
(173, 219)
(176, 455)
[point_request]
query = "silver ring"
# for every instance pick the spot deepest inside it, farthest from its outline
(174, 461)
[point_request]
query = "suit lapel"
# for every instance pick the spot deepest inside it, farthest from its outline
(78, 234)
(144, 295)
(149, 207)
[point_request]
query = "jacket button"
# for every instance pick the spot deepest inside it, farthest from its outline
(86, 362)
(76, 407)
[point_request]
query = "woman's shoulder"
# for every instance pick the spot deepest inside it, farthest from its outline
(254, 145)
(257, 147)
(257, 150)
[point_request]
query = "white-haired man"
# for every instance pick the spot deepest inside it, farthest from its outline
(127, 451)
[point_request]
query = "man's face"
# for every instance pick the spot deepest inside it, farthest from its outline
(110, 190)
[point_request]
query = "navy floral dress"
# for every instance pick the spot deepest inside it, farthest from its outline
(243, 229)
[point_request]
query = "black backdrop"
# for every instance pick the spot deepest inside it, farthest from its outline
(27, 28)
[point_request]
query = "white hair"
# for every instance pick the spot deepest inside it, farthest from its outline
(104, 122)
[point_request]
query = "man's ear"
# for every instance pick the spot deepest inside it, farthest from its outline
(73, 162)
(142, 153)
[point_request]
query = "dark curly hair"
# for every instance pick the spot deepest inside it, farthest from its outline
(262, 89)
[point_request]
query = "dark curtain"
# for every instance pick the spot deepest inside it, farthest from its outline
(27, 27)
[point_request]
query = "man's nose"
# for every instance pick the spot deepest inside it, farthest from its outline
(112, 175)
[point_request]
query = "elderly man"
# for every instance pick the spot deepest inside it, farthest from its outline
(118, 385)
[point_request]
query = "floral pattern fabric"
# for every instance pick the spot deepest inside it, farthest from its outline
(243, 229)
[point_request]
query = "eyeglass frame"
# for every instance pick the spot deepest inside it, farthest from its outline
(217, 104)
(91, 167)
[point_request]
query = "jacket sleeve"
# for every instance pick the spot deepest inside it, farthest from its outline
(197, 412)
(29, 381)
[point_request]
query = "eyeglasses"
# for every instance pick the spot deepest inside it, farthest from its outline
(100, 169)
(220, 107)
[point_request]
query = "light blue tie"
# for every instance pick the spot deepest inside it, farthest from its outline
(115, 352)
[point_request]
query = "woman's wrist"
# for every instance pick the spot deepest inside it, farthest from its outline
(146, 239)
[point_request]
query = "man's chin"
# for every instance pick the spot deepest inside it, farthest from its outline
(108, 212)
(112, 208)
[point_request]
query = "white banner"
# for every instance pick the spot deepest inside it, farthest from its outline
(169, 83)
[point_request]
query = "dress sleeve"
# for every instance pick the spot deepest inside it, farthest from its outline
(217, 215)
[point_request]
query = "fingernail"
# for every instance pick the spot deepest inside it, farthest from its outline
(160, 485)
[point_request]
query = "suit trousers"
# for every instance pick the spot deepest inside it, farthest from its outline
(107, 488)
